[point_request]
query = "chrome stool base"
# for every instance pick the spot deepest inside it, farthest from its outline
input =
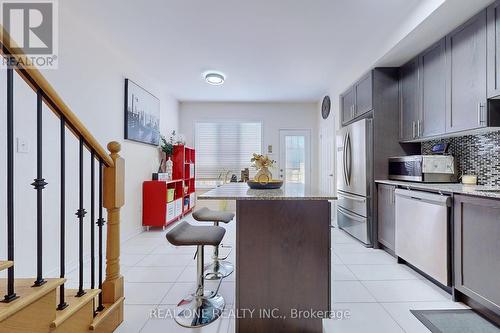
(198, 311)
(218, 270)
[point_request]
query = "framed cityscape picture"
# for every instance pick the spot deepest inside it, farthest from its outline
(142, 114)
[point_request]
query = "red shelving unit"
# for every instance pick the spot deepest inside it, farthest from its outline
(184, 168)
(158, 210)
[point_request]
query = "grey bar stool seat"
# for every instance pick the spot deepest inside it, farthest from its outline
(202, 307)
(207, 215)
(219, 268)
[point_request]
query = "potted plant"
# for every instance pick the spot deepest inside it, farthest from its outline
(166, 151)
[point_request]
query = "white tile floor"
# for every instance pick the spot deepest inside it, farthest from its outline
(377, 292)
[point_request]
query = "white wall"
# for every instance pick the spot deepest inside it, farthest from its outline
(90, 79)
(274, 116)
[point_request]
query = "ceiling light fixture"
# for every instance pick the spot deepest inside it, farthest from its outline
(215, 79)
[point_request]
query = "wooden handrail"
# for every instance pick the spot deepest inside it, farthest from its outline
(37, 81)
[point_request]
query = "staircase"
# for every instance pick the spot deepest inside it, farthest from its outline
(42, 304)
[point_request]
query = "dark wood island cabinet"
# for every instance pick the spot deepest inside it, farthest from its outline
(282, 257)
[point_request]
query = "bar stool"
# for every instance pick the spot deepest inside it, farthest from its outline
(202, 307)
(219, 268)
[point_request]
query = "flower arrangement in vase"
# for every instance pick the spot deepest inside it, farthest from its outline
(167, 151)
(262, 163)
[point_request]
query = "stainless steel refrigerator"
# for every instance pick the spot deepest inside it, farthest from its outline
(364, 145)
(355, 180)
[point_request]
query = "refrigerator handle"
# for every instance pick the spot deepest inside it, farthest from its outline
(344, 159)
(349, 158)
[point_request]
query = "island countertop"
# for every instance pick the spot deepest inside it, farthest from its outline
(241, 191)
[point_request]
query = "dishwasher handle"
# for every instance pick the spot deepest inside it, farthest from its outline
(432, 198)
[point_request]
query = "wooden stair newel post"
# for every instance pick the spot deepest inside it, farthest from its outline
(114, 191)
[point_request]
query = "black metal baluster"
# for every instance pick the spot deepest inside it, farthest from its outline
(39, 184)
(81, 215)
(92, 219)
(11, 295)
(62, 302)
(100, 223)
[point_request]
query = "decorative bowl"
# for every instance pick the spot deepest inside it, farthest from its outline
(270, 185)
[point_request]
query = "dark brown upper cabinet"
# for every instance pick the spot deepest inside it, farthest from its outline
(493, 57)
(363, 93)
(409, 106)
(347, 106)
(358, 99)
(432, 64)
(453, 80)
(466, 58)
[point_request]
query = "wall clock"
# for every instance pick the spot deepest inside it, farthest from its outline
(325, 107)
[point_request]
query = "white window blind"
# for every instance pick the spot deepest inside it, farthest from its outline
(225, 146)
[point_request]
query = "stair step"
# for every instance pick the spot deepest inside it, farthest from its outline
(27, 294)
(109, 310)
(74, 304)
(5, 264)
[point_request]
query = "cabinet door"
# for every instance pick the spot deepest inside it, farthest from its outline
(364, 102)
(347, 103)
(386, 216)
(477, 245)
(433, 91)
(409, 104)
(493, 56)
(466, 48)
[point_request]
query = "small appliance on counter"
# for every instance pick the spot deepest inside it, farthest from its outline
(438, 168)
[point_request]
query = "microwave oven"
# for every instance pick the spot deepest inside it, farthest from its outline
(423, 168)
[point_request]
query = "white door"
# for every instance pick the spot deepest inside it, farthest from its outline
(295, 156)
(327, 158)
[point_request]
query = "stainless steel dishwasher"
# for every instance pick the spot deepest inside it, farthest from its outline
(422, 226)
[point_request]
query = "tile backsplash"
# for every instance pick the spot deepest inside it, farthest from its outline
(475, 155)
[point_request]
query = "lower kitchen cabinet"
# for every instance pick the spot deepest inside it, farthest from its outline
(476, 250)
(386, 216)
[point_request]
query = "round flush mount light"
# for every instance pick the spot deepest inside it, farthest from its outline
(214, 78)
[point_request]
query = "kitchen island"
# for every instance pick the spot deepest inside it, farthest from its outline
(282, 257)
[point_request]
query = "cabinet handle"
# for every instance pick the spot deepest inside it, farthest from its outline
(413, 129)
(479, 113)
(419, 128)
(480, 108)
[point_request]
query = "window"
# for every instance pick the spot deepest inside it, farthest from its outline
(225, 146)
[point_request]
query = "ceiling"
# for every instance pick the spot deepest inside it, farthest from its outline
(269, 50)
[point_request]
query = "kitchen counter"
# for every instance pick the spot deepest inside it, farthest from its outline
(455, 188)
(241, 191)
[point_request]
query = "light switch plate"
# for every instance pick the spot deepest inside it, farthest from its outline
(23, 146)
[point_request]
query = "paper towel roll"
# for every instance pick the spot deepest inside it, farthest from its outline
(469, 180)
